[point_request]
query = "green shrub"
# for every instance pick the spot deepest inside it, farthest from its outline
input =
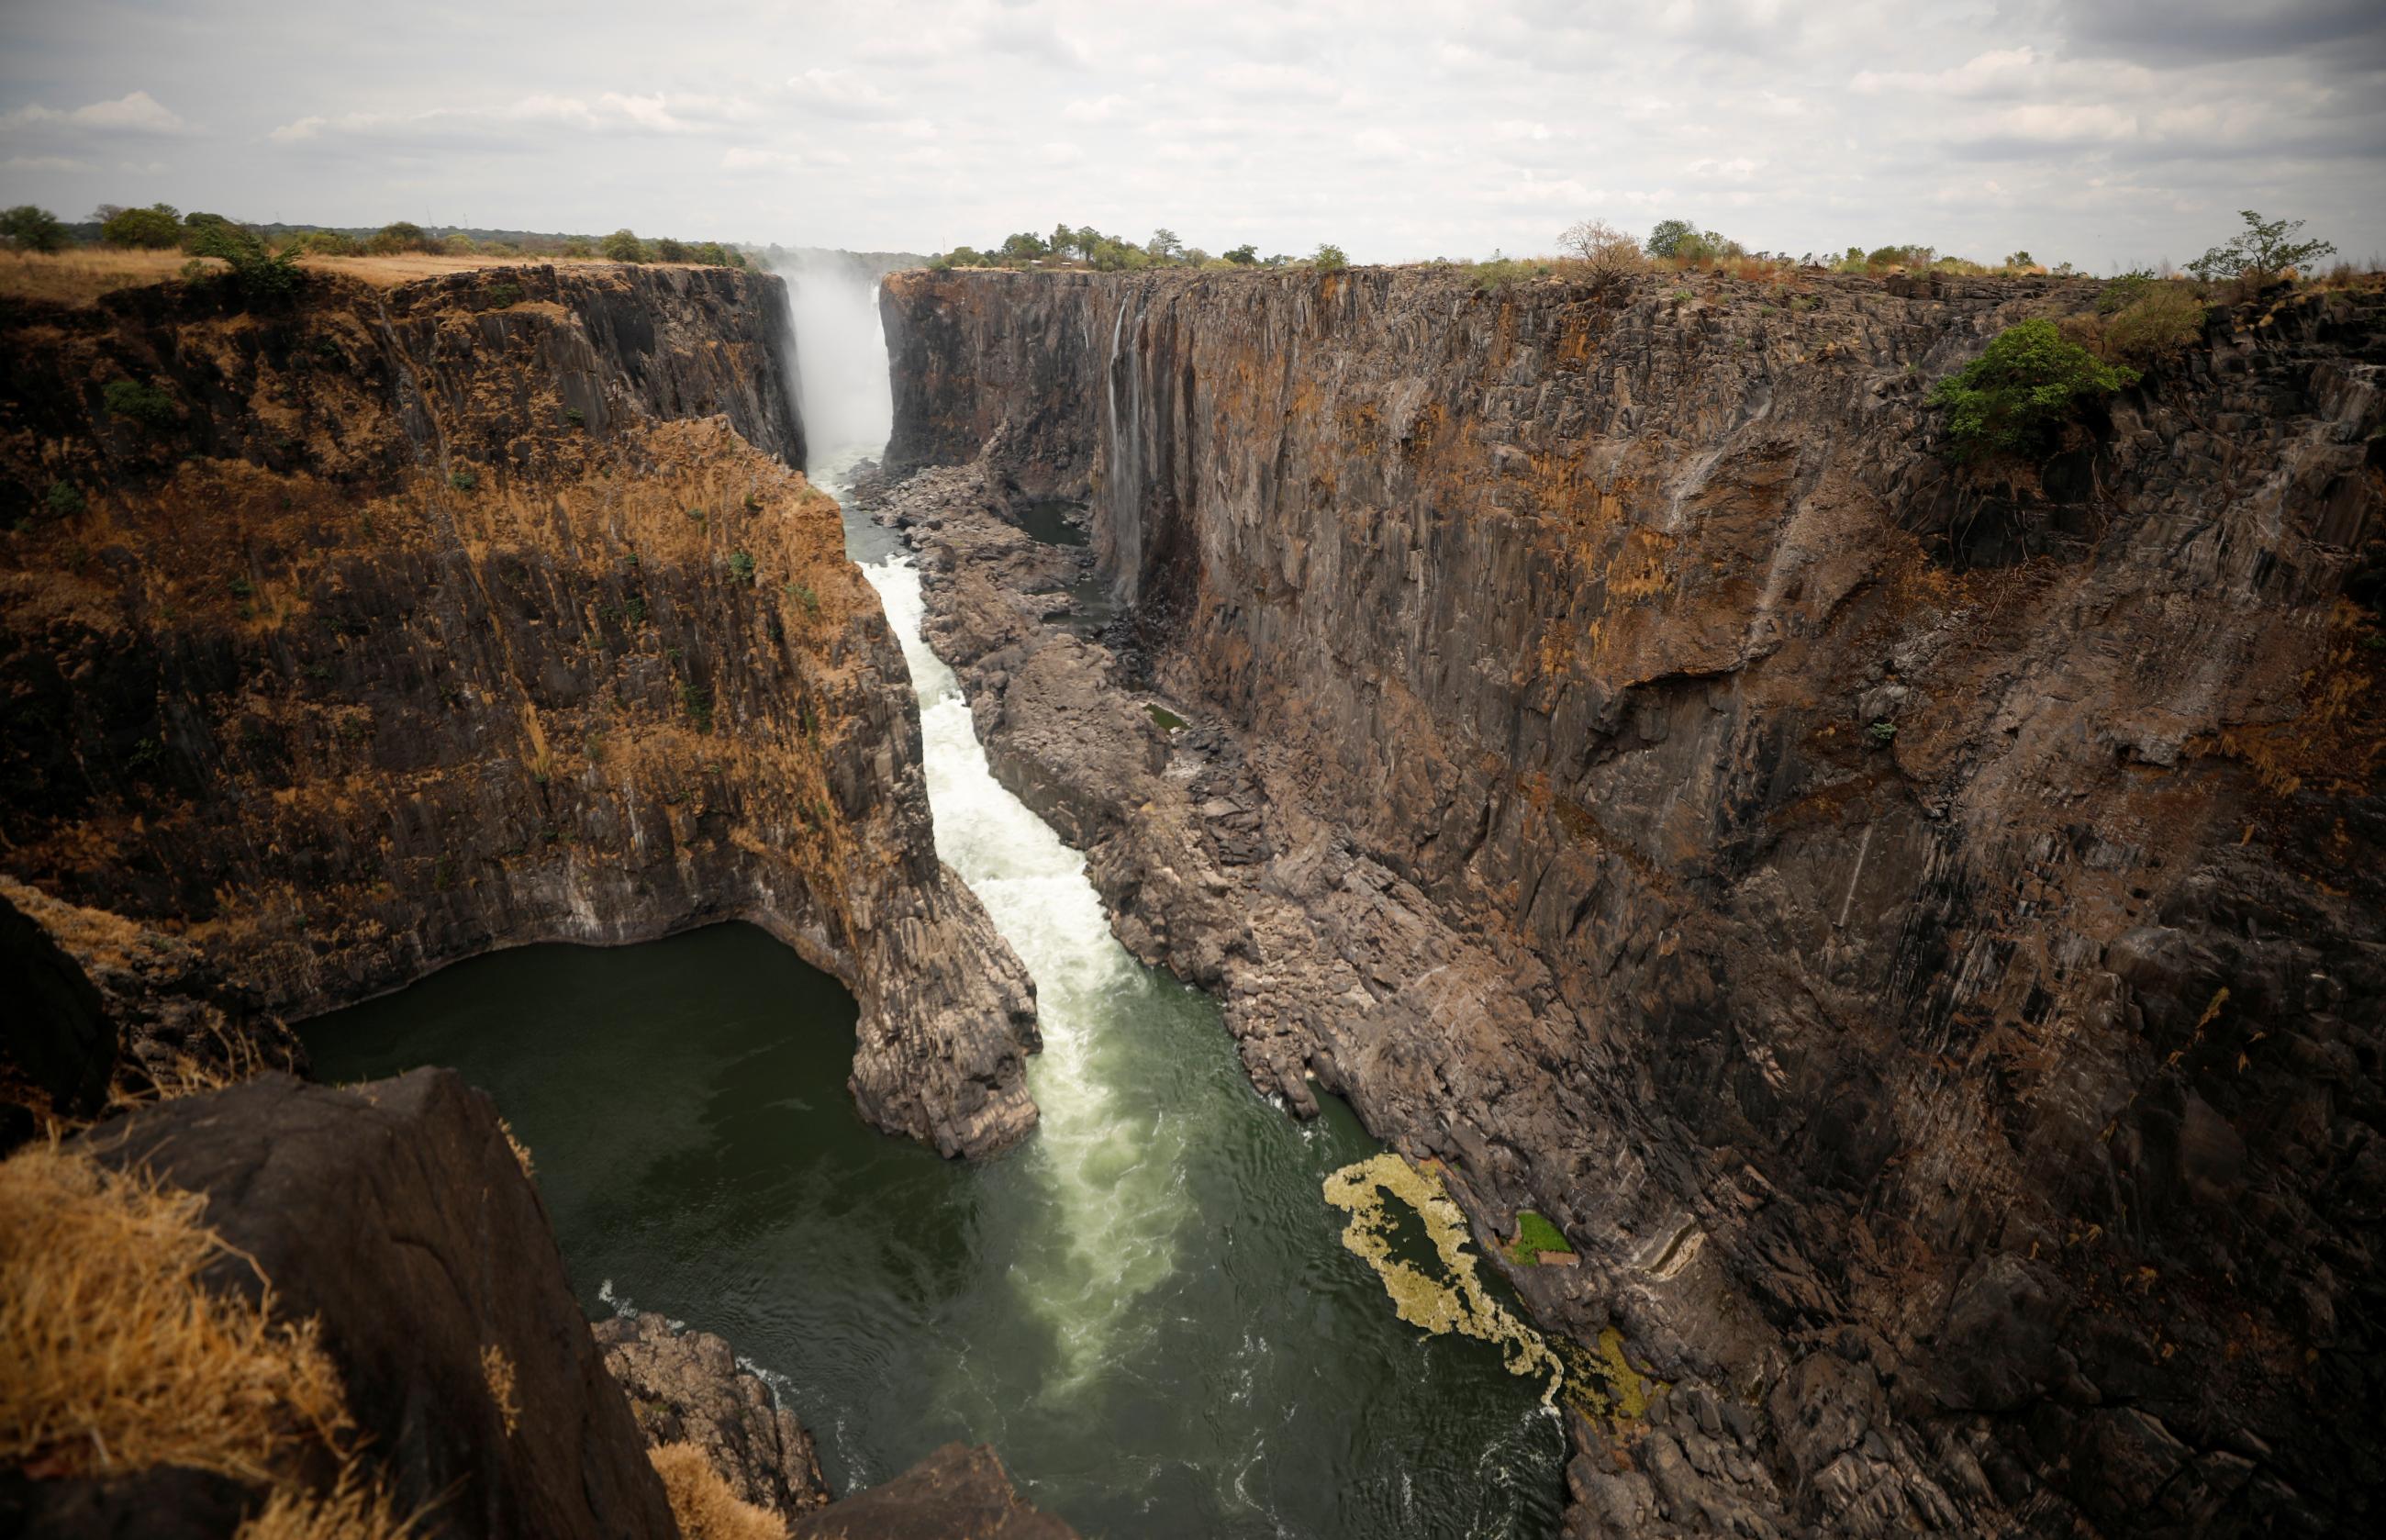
(741, 567)
(2124, 289)
(64, 499)
(330, 242)
(464, 479)
(801, 592)
(2027, 381)
(623, 246)
(400, 235)
(152, 229)
(145, 404)
(574, 416)
(502, 296)
(260, 275)
(698, 705)
(1536, 1234)
(1328, 257)
(1883, 732)
(27, 227)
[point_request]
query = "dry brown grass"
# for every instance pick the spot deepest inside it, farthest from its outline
(80, 276)
(701, 1502)
(498, 1373)
(521, 1151)
(112, 1356)
(349, 1513)
(115, 1358)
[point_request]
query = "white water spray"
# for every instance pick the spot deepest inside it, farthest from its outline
(841, 374)
(1109, 1159)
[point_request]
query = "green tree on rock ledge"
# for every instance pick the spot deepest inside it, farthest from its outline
(2261, 252)
(2007, 400)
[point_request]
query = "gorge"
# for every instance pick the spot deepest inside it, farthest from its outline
(1918, 935)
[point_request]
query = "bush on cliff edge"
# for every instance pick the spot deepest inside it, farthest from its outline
(2007, 400)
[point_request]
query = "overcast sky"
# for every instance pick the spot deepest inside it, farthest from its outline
(2100, 131)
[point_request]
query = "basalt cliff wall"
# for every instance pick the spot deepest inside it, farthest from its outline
(1920, 932)
(346, 637)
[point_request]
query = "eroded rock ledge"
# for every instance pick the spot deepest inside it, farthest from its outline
(1921, 937)
(346, 640)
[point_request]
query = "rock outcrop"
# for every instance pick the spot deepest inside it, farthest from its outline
(1919, 934)
(954, 1493)
(686, 1386)
(342, 640)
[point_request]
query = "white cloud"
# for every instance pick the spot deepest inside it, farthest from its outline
(1396, 128)
(2000, 71)
(1270, 82)
(137, 112)
(843, 91)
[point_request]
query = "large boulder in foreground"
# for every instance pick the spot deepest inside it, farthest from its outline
(398, 1214)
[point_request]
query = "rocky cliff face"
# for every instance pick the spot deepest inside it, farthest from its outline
(1919, 934)
(347, 639)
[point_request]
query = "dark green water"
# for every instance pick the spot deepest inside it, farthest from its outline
(1147, 1308)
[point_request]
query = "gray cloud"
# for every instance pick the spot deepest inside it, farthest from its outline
(2101, 130)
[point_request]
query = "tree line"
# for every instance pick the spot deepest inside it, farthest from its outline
(1084, 245)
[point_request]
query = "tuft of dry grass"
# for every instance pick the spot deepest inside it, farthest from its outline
(701, 1502)
(350, 1512)
(498, 1373)
(521, 1151)
(113, 1357)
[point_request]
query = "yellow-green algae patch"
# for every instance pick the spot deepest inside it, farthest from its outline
(1604, 1384)
(1461, 1304)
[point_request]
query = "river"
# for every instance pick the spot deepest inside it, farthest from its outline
(1147, 1308)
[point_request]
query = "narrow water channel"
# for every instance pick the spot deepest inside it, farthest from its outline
(1147, 1308)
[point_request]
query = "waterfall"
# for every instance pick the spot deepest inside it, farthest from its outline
(841, 354)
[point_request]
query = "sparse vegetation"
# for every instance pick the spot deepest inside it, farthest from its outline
(697, 703)
(702, 1502)
(463, 478)
(2028, 379)
(1605, 253)
(136, 402)
(2157, 325)
(2261, 253)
